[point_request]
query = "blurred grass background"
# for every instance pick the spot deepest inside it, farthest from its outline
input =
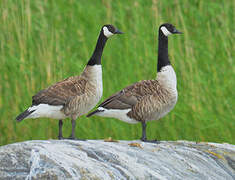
(42, 42)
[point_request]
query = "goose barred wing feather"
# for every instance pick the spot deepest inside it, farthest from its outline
(116, 101)
(131, 95)
(61, 92)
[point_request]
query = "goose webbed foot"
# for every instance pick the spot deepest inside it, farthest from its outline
(60, 137)
(155, 141)
(74, 138)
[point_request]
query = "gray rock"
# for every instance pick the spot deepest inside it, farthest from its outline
(96, 159)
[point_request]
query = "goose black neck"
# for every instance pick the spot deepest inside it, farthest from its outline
(163, 59)
(96, 56)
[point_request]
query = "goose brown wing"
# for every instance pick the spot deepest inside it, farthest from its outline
(130, 95)
(59, 93)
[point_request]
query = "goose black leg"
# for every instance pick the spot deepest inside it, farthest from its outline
(60, 130)
(144, 137)
(72, 136)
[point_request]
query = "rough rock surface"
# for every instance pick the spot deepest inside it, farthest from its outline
(96, 159)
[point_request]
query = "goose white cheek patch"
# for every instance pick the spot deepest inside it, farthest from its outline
(165, 31)
(107, 33)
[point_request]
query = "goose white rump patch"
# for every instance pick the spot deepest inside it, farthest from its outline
(120, 114)
(45, 110)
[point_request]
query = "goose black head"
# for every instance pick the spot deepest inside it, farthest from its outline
(109, 30)
(168, 29)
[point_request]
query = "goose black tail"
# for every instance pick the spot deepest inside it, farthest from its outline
(23, 115)
(94, 112)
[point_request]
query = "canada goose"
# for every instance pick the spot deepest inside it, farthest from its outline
(75, 95)
(148, 99)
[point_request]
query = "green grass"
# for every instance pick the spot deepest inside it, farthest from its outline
(42, 42)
